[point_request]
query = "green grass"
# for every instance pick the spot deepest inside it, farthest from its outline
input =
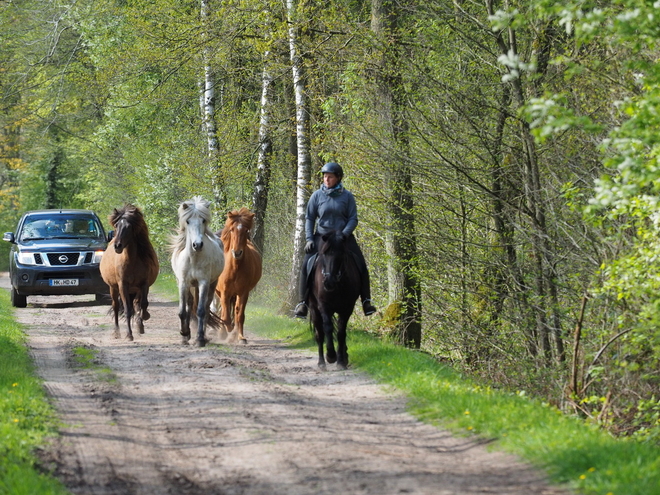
(86, 358)
(26, 417)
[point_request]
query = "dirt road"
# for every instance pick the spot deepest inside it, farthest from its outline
(255, 419)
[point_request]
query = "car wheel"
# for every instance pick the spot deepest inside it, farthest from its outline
(17, 300)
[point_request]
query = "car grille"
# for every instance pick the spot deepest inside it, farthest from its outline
(60, 259)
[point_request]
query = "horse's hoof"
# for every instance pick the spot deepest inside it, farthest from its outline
(145, 315)
(242, 341)
(115, 334)
(331, 359)
(184, 341)
(129, 338)
(322, 367)
(342, 366)
(200, 343)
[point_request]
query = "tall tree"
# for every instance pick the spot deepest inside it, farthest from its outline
(262, 181)
(401, 241)
(302, 147)
(207, 102)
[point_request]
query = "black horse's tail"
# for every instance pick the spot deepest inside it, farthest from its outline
(214, 321)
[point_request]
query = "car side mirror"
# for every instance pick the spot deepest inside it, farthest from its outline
(111, 235)
(9, 237)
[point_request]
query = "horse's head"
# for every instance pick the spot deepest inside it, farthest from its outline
(128, 223)
(236, 232)
(332, 253)
(194, 220)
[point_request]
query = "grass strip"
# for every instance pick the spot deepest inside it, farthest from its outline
(26, 417)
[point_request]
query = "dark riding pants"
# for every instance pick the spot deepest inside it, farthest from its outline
(352, 245)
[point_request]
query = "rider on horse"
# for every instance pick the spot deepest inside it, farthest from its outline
(332, 208)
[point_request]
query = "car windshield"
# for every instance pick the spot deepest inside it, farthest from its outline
(60, 227)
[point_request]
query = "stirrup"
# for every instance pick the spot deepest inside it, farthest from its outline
(301, 310)
(368, 308)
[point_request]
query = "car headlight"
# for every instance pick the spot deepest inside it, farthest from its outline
(97, 256)
(25, 258)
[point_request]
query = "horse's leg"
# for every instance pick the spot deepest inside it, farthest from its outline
(184, 315)
(225, 316)
(239, 317)
(137, 306)
(144, 302)
(342, 350)
(328, 327)
(202, 299)
(319, 336)
(114, 294)
(127, 301)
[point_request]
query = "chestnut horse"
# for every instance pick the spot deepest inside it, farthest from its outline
(197, 262)
(335, 288)
(241, 274)
(129, 266)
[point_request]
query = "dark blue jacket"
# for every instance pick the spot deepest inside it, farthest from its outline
(330, 211)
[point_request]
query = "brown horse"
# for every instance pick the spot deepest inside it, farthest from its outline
(241, 274)
(129, 266)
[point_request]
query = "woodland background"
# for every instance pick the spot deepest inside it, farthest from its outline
(504, 156)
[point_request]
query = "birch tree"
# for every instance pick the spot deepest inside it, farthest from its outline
(207, 103)
(260, 193)
(304, 160)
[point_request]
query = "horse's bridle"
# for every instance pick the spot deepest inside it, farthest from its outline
(327, 274)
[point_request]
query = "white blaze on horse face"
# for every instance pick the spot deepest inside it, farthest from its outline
(120, 235)
(238, 238)
(195, 231)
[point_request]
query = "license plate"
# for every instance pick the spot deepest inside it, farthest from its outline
(64, 282)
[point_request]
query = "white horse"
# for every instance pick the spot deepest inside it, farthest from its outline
(197, 262)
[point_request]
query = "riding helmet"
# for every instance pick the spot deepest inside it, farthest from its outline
(333, 168)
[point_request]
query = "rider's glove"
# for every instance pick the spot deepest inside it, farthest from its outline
(309, 247)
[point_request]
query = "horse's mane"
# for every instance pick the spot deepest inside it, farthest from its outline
(187, 209)
(332, 243)
(243, 216)
(135, 218)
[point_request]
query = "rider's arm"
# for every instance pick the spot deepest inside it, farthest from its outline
(351, 215)
(310, 216)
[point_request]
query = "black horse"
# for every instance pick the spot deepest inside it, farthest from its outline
(335, 288)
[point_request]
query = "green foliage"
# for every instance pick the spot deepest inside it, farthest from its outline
(106, 110)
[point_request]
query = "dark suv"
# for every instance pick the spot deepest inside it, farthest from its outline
(56, 252)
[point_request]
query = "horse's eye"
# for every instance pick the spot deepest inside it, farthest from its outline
(188, 222)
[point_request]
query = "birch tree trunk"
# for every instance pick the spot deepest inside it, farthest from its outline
(302, 150)
(401, 243)
(207, 103)
(260, 193)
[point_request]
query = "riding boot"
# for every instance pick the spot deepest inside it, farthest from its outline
(300, 310)
(365, 294)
